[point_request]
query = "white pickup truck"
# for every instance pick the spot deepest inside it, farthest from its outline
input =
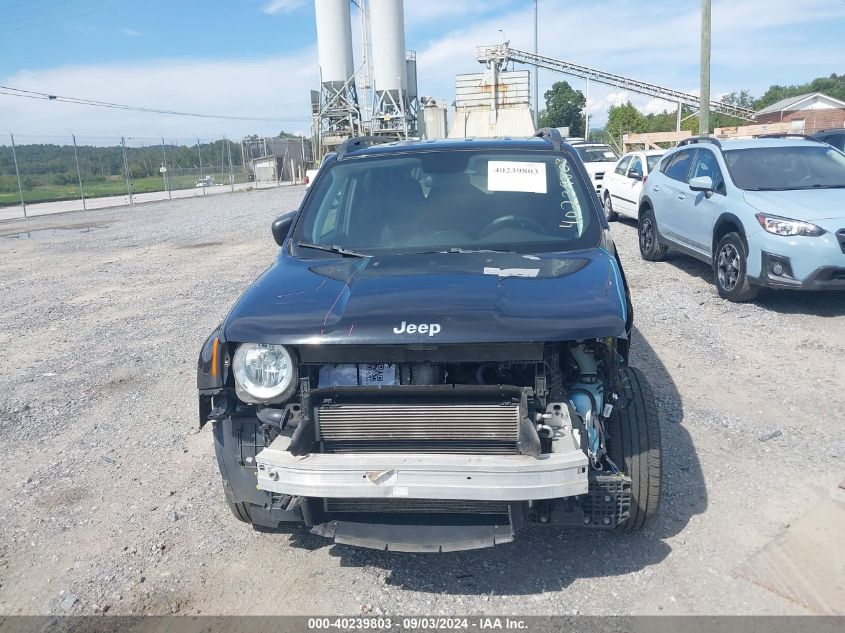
(624, 183)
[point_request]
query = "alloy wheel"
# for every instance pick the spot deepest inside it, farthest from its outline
(728, 267)
(646, 235)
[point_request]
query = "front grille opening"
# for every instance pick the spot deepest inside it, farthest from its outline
(415, 506)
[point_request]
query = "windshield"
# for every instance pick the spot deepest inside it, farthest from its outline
(786, 168)
(596, 153)
(441, 201)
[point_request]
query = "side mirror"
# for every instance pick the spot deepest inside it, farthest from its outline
(281, 226)
(635, 175)
(701, 183)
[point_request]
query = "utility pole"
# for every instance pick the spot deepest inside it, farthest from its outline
(587, 111)
(704, 112)
(17, 172)
(536, 75)
(78, 173)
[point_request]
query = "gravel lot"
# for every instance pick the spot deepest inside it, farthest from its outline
(110, 498)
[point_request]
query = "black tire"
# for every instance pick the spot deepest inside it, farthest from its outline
(609, 213)
(240, 510)
(730, 270)
(633, 443)
(650, 249)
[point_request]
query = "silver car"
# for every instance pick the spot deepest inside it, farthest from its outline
(765, 212)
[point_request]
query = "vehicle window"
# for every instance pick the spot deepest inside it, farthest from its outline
(705, 164)
(679, 165)
(596, 153)
(652, 160)
(837, 140)
(783, 168)
(434, 201)
(636, 166)
(622, 167)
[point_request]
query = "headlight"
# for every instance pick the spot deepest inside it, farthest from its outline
(784, 226)
(263, 373)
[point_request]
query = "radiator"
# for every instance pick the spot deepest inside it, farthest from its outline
(477, 428)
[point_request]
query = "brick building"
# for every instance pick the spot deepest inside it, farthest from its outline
(806, 113)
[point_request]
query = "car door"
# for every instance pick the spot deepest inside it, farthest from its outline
(633, 185)
(701, 208)
(668, 195)
(615, 182)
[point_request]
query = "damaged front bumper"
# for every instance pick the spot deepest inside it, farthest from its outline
(423, 476)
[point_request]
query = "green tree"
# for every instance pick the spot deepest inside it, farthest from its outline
(564, 107)
(624, 119)
(833, 86)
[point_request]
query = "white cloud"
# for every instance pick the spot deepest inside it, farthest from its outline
(282, 6)
(131, 32)
(272, 88)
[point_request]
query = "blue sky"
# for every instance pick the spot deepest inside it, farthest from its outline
(258, 57)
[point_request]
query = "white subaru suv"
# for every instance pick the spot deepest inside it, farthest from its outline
(765, 212)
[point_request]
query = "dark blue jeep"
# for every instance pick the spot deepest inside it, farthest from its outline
(438, 355)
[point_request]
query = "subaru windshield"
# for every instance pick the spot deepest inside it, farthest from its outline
(448, 201)
(812, 166)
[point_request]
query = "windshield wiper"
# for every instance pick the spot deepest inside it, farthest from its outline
(332, 249)
(461, 251)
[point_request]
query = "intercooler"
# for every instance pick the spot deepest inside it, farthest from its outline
(465, 428)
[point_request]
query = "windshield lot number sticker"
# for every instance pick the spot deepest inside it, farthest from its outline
(516, 176)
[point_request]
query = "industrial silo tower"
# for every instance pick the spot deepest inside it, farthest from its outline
(394, 71)
(336, 112)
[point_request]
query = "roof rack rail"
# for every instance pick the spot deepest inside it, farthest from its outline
(787, 135)
(357, 142)
(552, 135)
(701, 139)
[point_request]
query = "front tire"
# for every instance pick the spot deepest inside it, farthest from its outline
(731, 271)
(609, 213)
(650, 248)
(634, 445)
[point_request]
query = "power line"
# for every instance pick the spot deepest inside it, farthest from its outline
(45, 96)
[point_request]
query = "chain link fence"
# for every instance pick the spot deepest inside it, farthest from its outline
(51, 174)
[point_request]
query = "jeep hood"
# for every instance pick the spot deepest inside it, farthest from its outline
(472, 297)
(802, 204)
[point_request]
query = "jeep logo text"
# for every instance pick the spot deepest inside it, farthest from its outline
(413, 328)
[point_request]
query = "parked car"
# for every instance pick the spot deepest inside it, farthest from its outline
(310, 174)
(206, 181)
(766, 212)
(438, 355)
(598, 159)
(835, 137)
(623, 184)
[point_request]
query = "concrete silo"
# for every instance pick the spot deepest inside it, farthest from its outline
(336, 111)
(395, 109)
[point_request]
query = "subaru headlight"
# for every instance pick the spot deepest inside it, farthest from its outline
(263, 373)
(784, 226)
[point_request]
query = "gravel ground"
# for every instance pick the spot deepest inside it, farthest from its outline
(110, 498)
